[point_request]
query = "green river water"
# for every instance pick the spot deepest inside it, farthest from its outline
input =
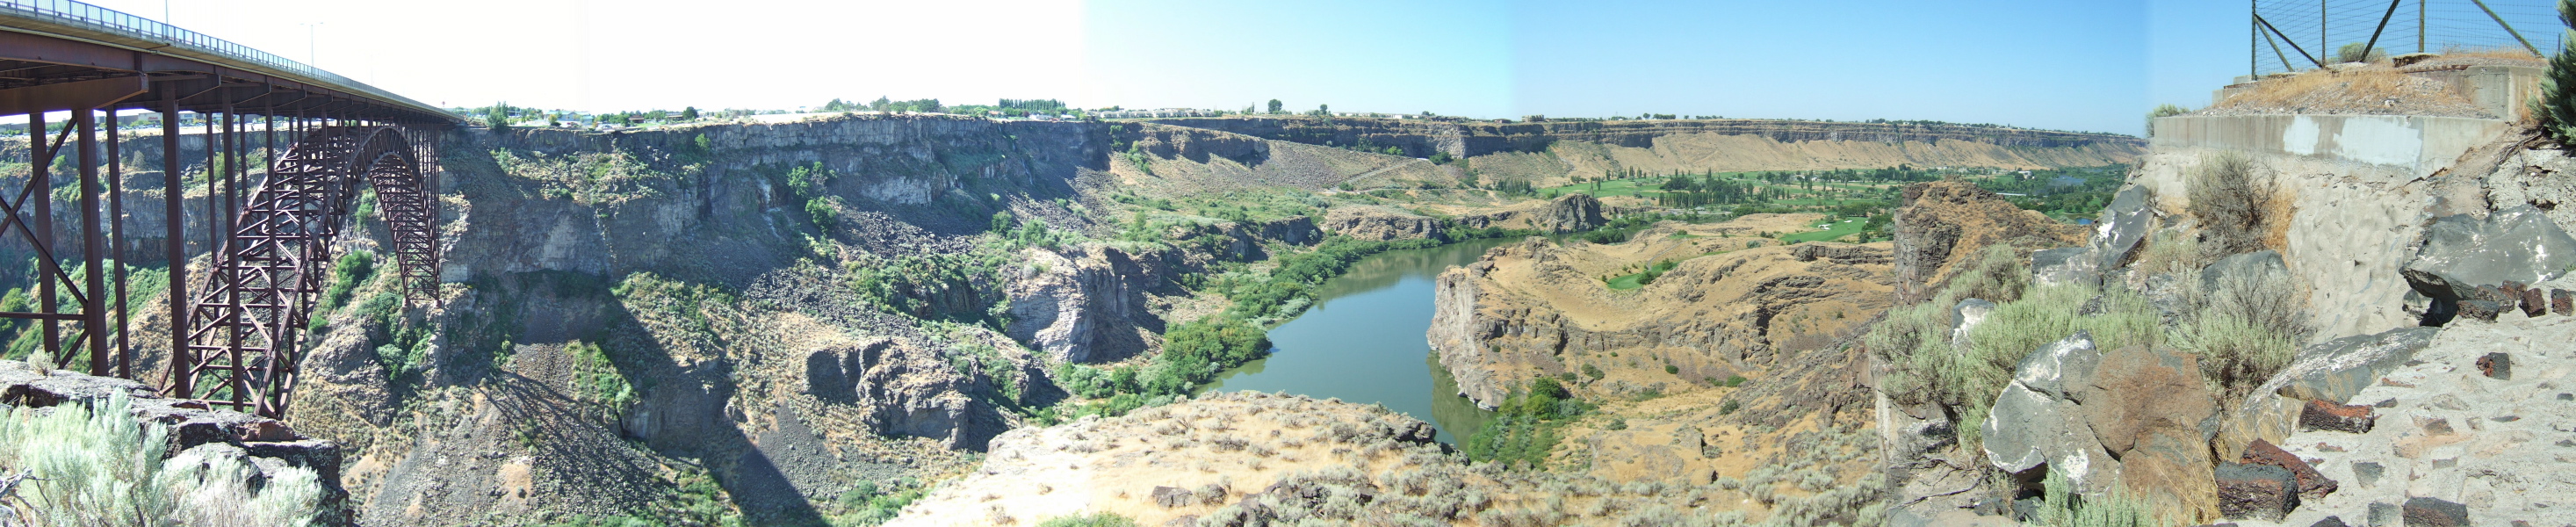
(1363, 342)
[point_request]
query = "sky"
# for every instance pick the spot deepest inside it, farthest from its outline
(2093, 65)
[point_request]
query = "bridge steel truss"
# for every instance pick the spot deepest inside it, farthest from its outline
(264, 237)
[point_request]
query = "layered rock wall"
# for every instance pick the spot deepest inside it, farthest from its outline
(1420, 137)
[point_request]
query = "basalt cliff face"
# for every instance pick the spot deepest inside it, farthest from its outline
(1541, 308)
(1462, 138)
(629, 313)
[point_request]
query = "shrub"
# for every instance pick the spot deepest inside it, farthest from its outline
(2170, 252)
(2163, 110)
(101, 467)
(2352, 52)
(2229, 203)
(2236, 353)
(1997, 276)
(2063, 508)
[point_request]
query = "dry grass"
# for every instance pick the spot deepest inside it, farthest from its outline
(2372, 89)
(2457, 53)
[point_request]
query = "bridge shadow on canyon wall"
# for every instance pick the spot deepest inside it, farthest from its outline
(593, 455)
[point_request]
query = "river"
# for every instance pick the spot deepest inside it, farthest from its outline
(1363, 342)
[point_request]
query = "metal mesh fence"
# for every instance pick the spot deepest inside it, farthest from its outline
(2302, 33)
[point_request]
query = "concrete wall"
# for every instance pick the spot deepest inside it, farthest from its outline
(2419, 144)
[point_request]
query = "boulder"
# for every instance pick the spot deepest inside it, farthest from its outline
(1170, 497)
(2150, 409)
(2312, 485)
(2034, 424)
(2334, 370)
(1965, 317)
(2436, 512)
(2257, 492)
(2065, 265)
(2562, 302)
(2257, 265)
(2122, 227)
(2465, 259)
(2322, 415)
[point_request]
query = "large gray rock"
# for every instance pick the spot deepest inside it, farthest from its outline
(2122, 227)
(2065, 265)
(1965, 317)
(2465, 259)
(2337, 369)
(2034, 425)
(2257, 265)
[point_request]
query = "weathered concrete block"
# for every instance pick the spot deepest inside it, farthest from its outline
(2322, 415)
(2261, 492)
(2436, 512)
(2496, 366)
(2312, 485)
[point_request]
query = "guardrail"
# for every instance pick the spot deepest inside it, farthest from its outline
(79, 15)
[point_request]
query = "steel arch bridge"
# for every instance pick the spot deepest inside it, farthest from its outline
(266, 236)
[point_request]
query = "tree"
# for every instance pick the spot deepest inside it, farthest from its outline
(691, 113)
(2162, 110)
(497, 116)
(2556, 107)
(1274, 106)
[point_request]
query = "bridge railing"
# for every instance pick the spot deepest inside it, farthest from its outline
(99, 19)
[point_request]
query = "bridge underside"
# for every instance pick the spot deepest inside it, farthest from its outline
(269, 229)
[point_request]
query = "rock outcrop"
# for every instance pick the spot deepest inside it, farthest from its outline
(195, 429)
(1089, 307)
(1568, 213)
(1540, 308)
(2481, 267)
(1461, 138)
(1938, 219)
(1380, 223)
(2137, 419)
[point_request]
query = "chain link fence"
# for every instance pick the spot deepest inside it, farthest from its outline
(2292, 35)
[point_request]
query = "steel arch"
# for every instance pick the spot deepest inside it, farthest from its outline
(244, 327)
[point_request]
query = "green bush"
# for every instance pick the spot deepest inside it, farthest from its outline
(2063, 508)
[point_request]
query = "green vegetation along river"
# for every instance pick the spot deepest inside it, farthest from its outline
(1363, 341)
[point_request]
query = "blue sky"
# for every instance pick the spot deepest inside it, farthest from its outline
(2075, 65)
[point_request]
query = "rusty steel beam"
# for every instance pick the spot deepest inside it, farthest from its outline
(174, 246)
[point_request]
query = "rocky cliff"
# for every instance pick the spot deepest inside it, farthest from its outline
(1462, 138)
(1540, 308)
(1942, 224)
